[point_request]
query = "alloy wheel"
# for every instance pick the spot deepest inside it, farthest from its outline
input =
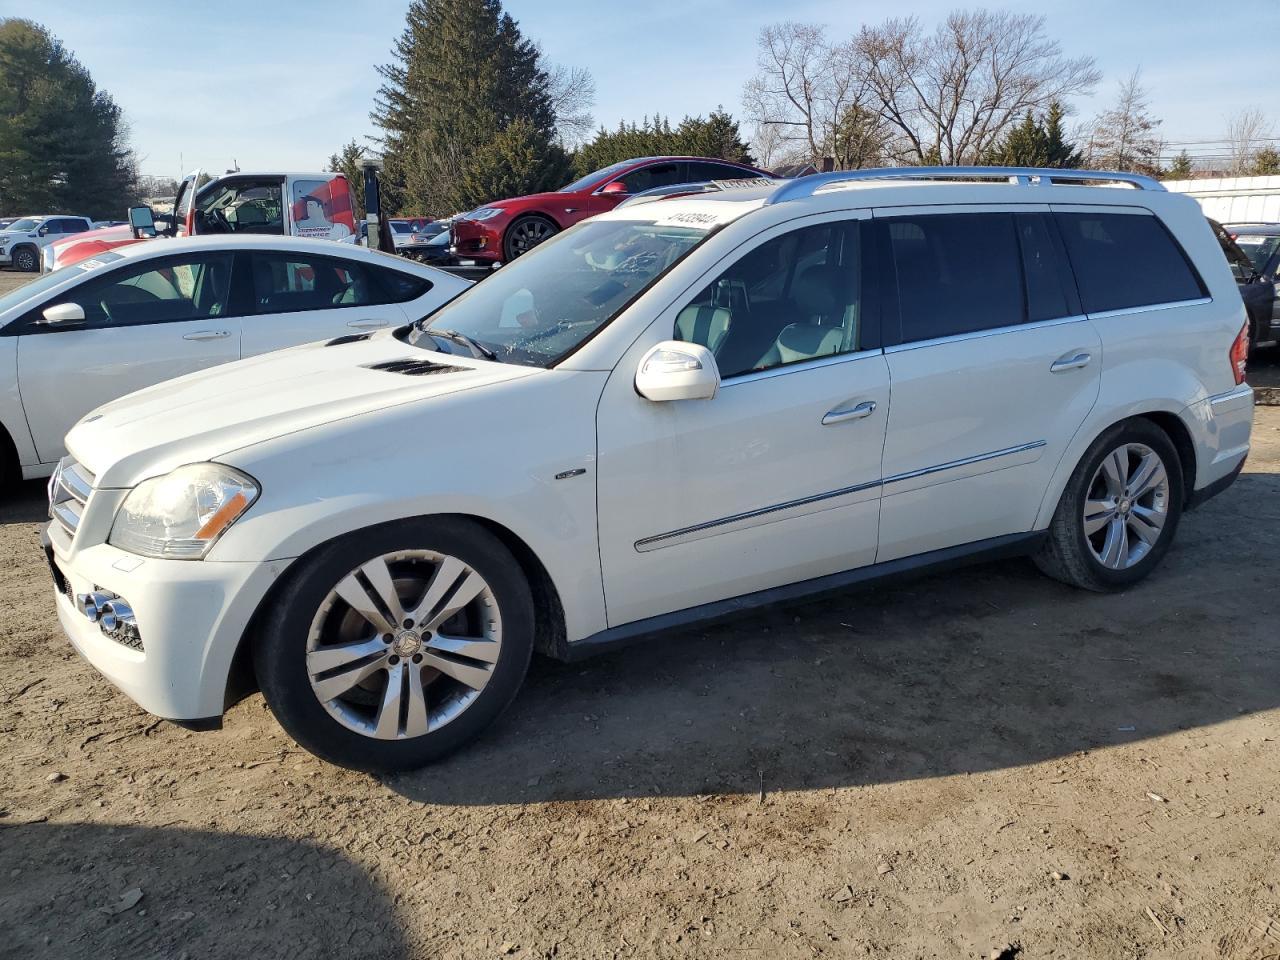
(403, 644)
(1126, 506)
(25, 260)
(527, 234)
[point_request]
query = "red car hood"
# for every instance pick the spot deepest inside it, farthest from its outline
(81, 246)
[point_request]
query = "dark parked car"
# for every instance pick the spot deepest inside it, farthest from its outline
(1253, 251)
(504, 229)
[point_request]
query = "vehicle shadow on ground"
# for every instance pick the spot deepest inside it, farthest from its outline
(197, 887)
(985, 668)
(25, 502)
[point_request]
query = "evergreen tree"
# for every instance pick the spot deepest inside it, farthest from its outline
(345, 162)
(1180, 169)
(1266, 163)
(462, 74)
(1031, 143)
(717, 136)
(63, 146)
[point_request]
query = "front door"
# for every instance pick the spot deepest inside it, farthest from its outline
(775, 479)
(994, 369)
(144, 322)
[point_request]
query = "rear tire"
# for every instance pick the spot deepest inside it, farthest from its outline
(344, 687)
(1119, 511)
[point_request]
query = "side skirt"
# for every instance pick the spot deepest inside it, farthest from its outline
(996, 548)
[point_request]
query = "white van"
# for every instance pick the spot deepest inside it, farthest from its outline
(670, 412)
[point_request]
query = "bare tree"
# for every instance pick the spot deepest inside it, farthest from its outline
(950, 95)
(1248, 130)
(804, 89)
(1124, 137)
(573, 94)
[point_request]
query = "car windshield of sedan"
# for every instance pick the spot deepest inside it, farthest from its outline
(594, 179)
(544, 304)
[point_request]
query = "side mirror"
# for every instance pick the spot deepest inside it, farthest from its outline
(44, 230)
(675, 370)
(614, 188)
(142, 221)
(62, 315)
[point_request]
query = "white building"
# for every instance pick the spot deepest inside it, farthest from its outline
(1234, 199)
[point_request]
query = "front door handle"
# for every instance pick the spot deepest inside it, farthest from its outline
(207, 335)
(841, 414)
(1070, 363)
(366, 324)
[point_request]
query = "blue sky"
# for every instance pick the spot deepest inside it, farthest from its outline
(283, 83)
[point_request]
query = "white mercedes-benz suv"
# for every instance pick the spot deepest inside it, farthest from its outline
(674, 411)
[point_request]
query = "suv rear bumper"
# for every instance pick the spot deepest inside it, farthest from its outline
(1220, 426)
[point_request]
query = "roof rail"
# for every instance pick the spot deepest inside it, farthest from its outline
(1024, 176)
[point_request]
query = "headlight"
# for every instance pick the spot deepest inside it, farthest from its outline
(181, 515)
(484, 213)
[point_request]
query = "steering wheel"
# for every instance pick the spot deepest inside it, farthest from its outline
(219, 220)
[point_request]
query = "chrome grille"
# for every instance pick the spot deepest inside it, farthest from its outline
(69, 489)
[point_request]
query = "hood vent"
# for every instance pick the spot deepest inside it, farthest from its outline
(349, 338)
(415, 368)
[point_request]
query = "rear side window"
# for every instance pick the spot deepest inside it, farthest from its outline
(1124, 260)
(956, 273)
(397, 287)
(287, 283)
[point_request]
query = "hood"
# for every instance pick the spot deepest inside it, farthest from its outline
(207, 415)
(531, 200)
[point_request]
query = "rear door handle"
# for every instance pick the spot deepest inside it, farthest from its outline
(207, 335)
(1070, 363)
(367, 324)
(841, 414)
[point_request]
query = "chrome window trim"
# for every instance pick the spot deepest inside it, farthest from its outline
(796, 366)
(1167, 305)
(984, 333)
(683, 534)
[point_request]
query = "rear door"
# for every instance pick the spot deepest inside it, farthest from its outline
(300, 297)
(993, 369)
(144, 322)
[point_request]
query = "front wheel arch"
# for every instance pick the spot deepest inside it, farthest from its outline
(549, 625)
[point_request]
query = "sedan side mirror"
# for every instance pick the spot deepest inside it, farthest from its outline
(675, 370)
(62, 315)
(616, 187)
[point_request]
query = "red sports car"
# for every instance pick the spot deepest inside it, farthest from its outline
(502, 230)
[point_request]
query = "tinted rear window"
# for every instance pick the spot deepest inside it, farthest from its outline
(956, 273)
(1124, 260)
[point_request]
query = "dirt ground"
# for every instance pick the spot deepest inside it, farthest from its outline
(979, 761)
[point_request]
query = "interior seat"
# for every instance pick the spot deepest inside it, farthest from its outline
(705, 324)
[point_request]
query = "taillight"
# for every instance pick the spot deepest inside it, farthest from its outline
(1240, 353)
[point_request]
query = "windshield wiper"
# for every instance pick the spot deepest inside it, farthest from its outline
(477, 349)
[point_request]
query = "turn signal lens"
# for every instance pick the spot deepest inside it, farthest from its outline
(1240, 354)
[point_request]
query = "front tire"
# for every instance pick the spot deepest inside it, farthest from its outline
(396, 645)
(525, 233)
(1119, 512)
(26, 260)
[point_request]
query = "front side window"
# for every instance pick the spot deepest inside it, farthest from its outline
(240, 206)
(796, 297)
(1259, 250)
(955, 273)
(288, 283)
(169, 290)
(544, 304)
(654, 175)
(1125, 260)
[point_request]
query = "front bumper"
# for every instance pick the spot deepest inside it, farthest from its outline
(5, 258)
(191, 616)
(478, 240)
